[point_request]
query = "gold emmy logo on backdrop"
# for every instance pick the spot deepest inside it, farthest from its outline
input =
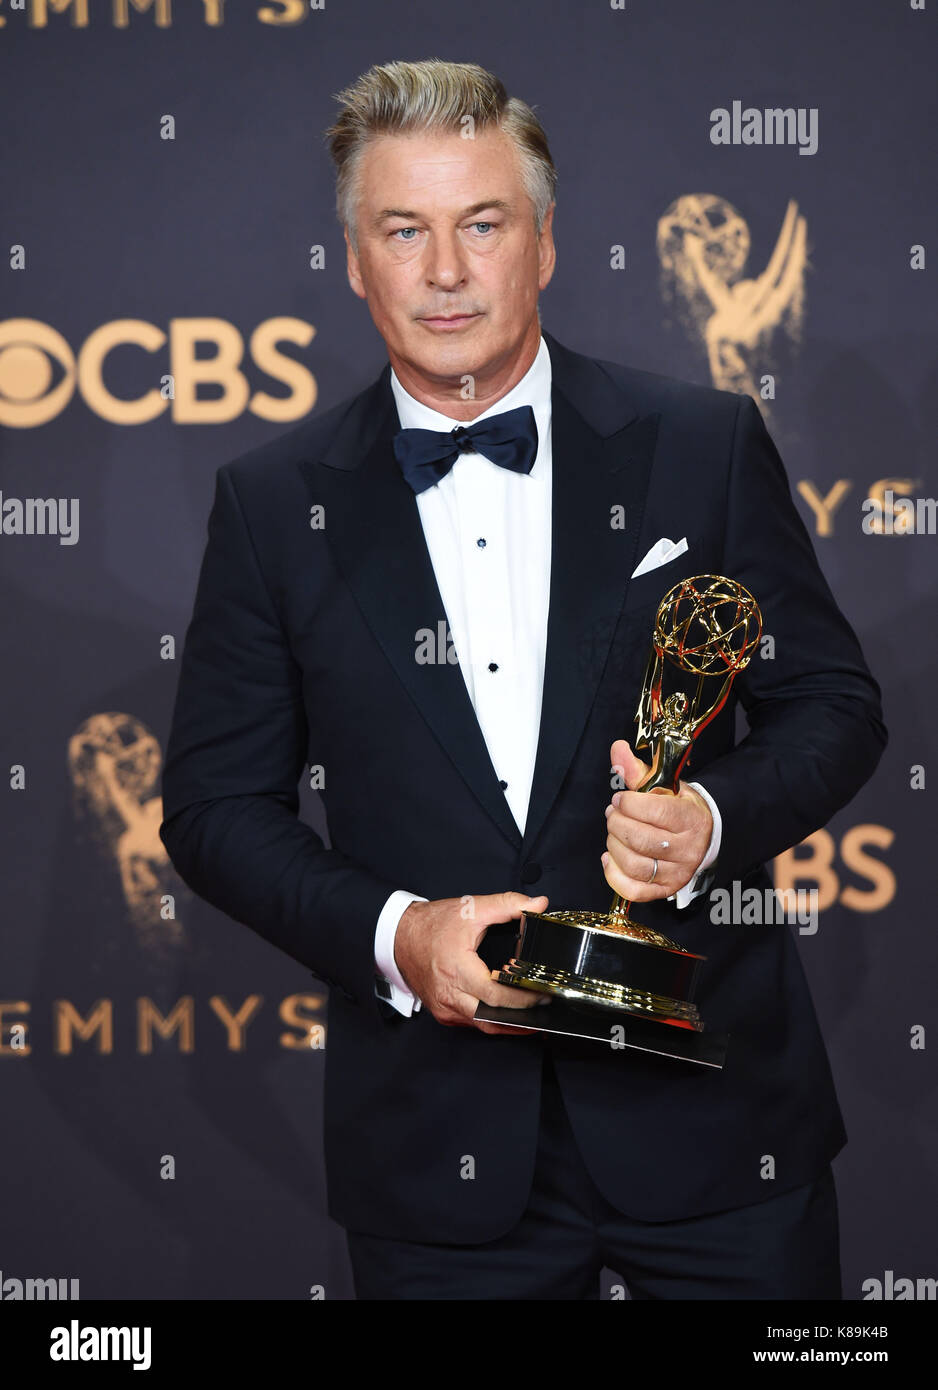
(706, 630)
(703, 246)
(114, 761)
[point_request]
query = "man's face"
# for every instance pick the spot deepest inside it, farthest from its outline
(448, 257)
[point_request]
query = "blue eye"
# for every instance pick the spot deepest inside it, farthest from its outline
(405, 229)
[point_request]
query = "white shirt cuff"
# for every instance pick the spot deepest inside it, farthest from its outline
(400, 998)
(686, 895)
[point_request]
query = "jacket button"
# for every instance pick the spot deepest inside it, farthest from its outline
(530, 873)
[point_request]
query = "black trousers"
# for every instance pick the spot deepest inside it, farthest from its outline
(786, 1247)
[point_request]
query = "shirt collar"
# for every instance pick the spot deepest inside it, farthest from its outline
(533, 389)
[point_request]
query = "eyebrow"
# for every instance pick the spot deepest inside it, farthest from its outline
(409, 215)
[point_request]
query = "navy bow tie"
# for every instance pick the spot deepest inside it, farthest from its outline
(508, 439)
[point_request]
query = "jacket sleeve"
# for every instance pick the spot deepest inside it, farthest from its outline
(237, 745)
(816, 730)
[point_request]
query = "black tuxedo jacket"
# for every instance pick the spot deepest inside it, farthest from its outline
(301, 650)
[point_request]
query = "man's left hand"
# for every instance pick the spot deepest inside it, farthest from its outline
(645, 826)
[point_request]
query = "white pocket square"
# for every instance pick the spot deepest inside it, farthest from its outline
(660, 553)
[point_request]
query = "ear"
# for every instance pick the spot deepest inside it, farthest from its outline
(547, 254)
(353, 268)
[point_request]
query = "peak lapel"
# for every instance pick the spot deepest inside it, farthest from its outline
(374, 532)
(602, 454)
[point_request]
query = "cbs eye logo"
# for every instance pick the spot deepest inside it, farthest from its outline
(39, 372)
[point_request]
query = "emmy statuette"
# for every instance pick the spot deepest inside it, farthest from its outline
(606, 968)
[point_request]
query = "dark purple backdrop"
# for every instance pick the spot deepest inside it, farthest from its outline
(117, 223)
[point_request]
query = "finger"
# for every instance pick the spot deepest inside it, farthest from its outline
(634, 863)
(486, 909)
(660, 809)
(457, 1011)
(461, 1012)
(632, 889)
(651, 841)
(511, 996)
(477, 983)
(627, 764)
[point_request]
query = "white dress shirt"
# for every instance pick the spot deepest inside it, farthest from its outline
(488, 531)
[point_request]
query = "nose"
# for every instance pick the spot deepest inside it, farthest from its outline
(446, 266)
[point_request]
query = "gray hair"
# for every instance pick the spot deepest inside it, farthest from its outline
(400, 98)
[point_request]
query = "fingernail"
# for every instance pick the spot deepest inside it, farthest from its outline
(615, 800)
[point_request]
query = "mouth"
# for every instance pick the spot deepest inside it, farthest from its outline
(448, 322)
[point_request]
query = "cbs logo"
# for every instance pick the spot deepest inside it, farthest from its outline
(39, 373)
(815, 861)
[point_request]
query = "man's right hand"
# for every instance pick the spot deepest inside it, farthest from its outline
(436, 951)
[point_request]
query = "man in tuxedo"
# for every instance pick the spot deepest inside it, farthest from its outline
(442, 591)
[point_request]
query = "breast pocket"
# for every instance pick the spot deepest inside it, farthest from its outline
(647, 590)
